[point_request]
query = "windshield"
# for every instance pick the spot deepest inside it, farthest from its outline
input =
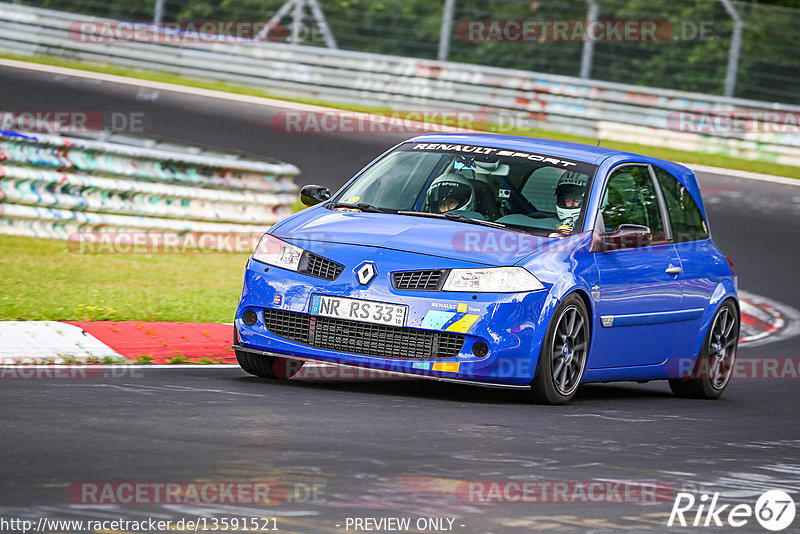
(521, 190)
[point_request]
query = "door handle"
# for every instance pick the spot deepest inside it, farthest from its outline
(673, 270)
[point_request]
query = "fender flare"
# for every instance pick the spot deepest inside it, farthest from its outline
(725, 290)
(558, 292)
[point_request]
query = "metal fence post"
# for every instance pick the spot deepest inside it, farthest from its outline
(588, 45)
(447, 28)
(736, 45)
(158, 12)
(327, 34)
(297, 7)
(297, 21)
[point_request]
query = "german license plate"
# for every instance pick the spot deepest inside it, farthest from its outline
(359, 310)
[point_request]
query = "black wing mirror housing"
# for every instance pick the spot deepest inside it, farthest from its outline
(311, 195)
(625, 236)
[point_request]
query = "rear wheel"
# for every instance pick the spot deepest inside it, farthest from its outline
(266, 366)
(563, 356)
(714, 366)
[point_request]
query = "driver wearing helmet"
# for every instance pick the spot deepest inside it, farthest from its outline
(450, 192)
(570, 191)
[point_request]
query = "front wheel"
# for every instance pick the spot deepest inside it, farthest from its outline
(266, 366)
(565, 350)
(714, 367)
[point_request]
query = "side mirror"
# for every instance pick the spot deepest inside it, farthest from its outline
(311, 195)
(625, 236)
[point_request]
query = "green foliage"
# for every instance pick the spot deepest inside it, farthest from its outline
(178, 358)
(769, 67)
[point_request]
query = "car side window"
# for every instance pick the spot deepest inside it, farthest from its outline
(685, 218)
(631, 198)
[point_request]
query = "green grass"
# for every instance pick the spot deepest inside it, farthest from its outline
(179, 358)
(41, 279)
(715, 160)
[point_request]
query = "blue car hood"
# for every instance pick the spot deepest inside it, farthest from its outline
(433, 237)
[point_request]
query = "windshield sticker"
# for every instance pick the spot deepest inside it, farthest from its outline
(465, 149)
(464, 163)
(435, 320)
(490, 151)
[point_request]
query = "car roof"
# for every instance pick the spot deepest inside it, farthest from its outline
(565, 149)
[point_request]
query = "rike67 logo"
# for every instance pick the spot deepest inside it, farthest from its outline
(774, 510)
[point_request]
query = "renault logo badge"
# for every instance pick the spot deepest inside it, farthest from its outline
(366, 273)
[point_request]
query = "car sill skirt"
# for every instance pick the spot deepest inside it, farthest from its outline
(395, 373)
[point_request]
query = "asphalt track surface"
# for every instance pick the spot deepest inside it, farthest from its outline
(396, 448)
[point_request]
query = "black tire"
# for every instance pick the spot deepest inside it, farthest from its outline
(266, 366)
(564, 353)
(714, 366)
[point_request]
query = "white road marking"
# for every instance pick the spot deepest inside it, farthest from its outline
(49, 340)
(747, 175)
(785, 318)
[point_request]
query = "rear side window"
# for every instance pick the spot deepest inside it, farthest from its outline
(631, 198)
(684, 215)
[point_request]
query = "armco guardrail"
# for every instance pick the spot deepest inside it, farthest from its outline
(689, 121)
(52, 186)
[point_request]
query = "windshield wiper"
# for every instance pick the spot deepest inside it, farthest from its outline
(453, 217)
(363, 206)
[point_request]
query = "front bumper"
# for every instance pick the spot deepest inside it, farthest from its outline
(510, 324)
(399, 374)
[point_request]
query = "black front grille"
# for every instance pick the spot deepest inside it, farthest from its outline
(319, 267)
(419, 280)
(362, 338)
(293, 326)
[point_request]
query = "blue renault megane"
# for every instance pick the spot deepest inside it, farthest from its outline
(498, 261)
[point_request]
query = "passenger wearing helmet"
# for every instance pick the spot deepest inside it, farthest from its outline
(451, 191)
(570, 191)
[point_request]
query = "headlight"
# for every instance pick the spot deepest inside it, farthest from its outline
(496, 280)
(279, 253)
